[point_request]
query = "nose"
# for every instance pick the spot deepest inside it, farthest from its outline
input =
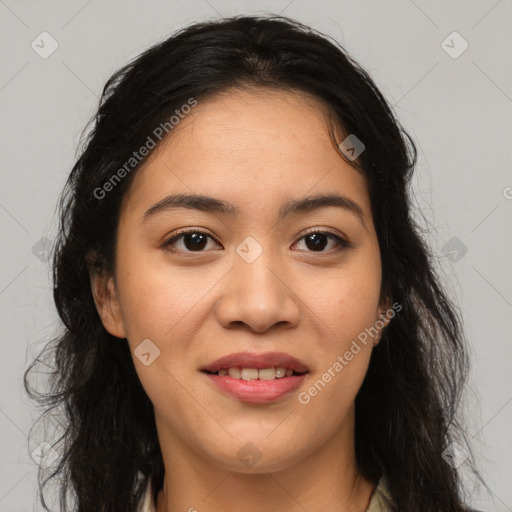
(258, 295)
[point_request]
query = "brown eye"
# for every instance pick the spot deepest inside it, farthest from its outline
(191, 241)
(317, 241)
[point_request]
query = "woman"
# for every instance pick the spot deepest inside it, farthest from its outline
(251, 317)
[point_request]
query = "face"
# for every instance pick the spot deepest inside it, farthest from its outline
(280, 267)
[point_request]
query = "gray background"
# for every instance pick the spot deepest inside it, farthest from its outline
(458, 110)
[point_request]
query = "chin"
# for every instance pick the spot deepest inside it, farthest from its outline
(256, 457)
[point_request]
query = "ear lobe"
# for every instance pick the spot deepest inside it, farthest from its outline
(107, 304)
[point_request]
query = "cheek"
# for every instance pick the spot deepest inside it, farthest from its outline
(347, 299)
(156, 298)
(345, 308)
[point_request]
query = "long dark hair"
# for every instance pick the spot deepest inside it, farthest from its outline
(407, 407)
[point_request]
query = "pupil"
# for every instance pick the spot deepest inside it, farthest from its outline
(318, 241)
(195, 241)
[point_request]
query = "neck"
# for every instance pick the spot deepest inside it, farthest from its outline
(325, 479)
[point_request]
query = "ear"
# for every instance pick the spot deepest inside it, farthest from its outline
(383, 320)
(107, 304)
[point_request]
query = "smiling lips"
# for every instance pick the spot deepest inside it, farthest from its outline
(257, 378)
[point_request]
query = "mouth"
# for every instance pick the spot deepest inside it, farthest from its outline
(256, 378)
(275, 361)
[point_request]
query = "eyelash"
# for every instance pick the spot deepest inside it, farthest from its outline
(342, 243)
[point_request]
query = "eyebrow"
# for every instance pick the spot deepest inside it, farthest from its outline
(212, 205)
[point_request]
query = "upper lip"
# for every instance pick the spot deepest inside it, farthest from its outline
(258, 361)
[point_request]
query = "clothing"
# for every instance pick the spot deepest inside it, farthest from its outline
(380, 502)
(381, 499)
(148, 504)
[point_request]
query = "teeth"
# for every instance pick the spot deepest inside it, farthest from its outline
(235, 373)
(267, 374)
(280, 372)
(249, 373)
(253, 373)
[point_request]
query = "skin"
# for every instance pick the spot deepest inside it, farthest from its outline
(255, 149)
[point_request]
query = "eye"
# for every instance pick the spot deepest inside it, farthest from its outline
(191, 240)
(317, 241)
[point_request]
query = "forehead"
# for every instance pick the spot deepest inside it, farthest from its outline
(246, 142)
(237, 123)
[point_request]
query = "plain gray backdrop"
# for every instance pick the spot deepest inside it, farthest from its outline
(455, 101)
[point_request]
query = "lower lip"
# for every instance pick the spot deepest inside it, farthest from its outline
(256, 391)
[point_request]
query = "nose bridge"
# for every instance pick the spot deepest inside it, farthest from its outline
(260, 277)
(258, 293)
